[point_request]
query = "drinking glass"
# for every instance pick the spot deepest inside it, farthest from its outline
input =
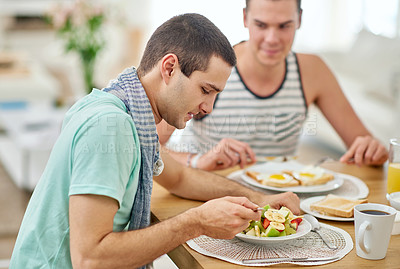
(393, 172)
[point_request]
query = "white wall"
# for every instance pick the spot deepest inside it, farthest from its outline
(326, 25)
(225, 14)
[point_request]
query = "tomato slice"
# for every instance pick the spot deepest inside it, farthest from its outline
(266, 223)
(296, 222)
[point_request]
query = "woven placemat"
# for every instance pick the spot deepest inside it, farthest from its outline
(310, 245)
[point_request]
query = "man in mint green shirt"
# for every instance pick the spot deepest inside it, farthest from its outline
(94, 130)
(97, 180)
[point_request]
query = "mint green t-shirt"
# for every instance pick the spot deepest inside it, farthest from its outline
(97, 152)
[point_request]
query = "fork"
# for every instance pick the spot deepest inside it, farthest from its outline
(315, 226)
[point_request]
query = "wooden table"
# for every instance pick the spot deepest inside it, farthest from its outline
(164, 205)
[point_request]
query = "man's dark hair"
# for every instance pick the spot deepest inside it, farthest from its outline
(192, 38)
(298, 5)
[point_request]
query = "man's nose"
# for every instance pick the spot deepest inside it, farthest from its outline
(271, 36)
(206, 107)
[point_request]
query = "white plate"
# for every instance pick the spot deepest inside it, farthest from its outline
(353, 187)
(291, 165)
(303, 229)
(305, 206)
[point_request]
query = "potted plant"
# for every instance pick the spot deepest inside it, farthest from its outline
(80, 26)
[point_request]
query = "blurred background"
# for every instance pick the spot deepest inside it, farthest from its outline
(40, 80)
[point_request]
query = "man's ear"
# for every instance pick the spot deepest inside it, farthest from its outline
(244, 17)
(300, 16)
(169, 66)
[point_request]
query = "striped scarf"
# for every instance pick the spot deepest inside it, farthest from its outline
(129, 89)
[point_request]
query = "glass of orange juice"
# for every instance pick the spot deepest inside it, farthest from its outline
(393, 172)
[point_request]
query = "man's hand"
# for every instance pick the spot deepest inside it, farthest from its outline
(366, 150)
(227, 153)
(287, 199)
(225, 217)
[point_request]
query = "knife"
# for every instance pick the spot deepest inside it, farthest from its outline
(305, 259)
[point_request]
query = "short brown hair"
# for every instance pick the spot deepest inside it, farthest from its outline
(192, 38)
(298, 5)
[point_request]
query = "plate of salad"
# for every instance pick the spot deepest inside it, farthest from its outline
(275, 226)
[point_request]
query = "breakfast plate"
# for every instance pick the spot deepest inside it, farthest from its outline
(274, 168)
(305, 206)
(304, 228)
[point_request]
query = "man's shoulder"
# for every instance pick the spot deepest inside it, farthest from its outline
(315, 75)
(93, 111)
(310, 64)
(98, 104)
(308, 58)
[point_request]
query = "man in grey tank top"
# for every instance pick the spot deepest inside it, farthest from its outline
(264, 104)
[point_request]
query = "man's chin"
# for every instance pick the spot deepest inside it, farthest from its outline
(179, 125)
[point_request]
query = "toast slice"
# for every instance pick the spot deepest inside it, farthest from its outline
(325, 178)
(254, 175)
(291, 183)
(336, 206)
(311, 175)
(288, 182)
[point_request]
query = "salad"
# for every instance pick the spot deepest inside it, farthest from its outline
(274, 223)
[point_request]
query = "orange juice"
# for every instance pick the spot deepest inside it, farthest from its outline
(393, 178)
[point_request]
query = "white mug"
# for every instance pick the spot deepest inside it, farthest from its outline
(373, 225)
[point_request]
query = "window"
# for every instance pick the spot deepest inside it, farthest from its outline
(381, 17)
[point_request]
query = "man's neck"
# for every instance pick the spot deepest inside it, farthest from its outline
(150, 83)
(261, 79)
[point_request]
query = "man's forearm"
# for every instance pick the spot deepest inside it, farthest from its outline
(201, 185)
(132, 249)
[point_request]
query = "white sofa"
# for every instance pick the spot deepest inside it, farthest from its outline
(369, 74)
